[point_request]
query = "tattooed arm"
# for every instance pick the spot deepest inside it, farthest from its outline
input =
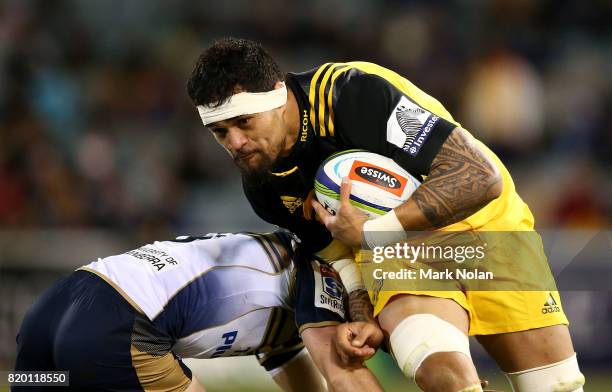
(360, 307)
(461, 181)
(357, 341)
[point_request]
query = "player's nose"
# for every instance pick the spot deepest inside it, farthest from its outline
(236, 139)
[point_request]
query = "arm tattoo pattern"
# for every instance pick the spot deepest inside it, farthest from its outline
(461, 181)
(360, 307)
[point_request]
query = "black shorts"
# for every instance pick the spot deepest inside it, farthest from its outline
(83, 325)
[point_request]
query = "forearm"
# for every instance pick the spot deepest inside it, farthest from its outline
(339, 376)
(461, 181)
(360, 307)
(299, 375)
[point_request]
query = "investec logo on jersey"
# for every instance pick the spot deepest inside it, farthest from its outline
(328, 289)
(377, 176)
(409, 126)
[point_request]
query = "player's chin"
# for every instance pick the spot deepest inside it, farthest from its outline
(247, 163)
(253, 166)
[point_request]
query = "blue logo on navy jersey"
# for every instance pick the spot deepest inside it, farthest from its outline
(331, 284)
(332, 288)
(228, 340)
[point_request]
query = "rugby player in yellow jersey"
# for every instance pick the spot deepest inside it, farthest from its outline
(278, 129)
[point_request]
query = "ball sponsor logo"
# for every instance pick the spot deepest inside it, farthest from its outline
(377, 176)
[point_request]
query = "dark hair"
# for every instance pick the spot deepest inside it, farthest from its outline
(228, 64)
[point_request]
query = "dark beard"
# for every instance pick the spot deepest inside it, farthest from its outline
(259, 175)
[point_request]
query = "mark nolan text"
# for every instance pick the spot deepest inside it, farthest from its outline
(409, 274)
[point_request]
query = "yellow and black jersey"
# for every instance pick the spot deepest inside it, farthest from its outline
(361, 105)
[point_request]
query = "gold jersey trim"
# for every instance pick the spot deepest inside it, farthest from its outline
(285, 173)
(114, 286)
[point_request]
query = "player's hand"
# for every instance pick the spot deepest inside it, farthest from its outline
(357, 341)
(347, 225)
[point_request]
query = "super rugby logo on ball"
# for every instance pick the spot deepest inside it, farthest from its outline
(379, 184)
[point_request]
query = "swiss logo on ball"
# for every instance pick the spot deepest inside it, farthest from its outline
(378, 177)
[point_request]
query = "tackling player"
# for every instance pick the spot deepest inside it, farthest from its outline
(124, 322)
(278, 129)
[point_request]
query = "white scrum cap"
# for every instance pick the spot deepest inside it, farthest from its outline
(244, 103)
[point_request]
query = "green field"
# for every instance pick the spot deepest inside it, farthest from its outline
(393, 381)
(244, 374)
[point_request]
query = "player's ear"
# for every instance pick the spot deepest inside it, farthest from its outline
(278, 85)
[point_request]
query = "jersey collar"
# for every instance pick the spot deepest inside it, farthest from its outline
(304, 143)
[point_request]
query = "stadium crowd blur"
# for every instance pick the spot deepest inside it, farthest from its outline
(97, 130)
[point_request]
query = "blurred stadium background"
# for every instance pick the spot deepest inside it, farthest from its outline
(101, 150)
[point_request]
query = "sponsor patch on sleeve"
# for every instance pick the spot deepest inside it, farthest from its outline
(409, 126)
(328, 291)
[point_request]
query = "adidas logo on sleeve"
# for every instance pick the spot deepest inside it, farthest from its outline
(550, 306)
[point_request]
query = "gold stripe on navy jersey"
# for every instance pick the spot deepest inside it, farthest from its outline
(316, 97)
(276, 265)
(304, 327)
(274, 254)
(330, 95)
(285, 248)
(323, 109)
(263, 358)
(322, 97)
(312, 93)
(263, 345)
(319, 111)
(279, 252)
(280, 335)
(285, 173)
(274, 323)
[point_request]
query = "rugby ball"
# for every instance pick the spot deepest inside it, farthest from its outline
(378, 184)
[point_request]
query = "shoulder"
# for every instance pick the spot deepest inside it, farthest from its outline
(323, 87)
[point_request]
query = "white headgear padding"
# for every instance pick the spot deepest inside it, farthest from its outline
(243, 103)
